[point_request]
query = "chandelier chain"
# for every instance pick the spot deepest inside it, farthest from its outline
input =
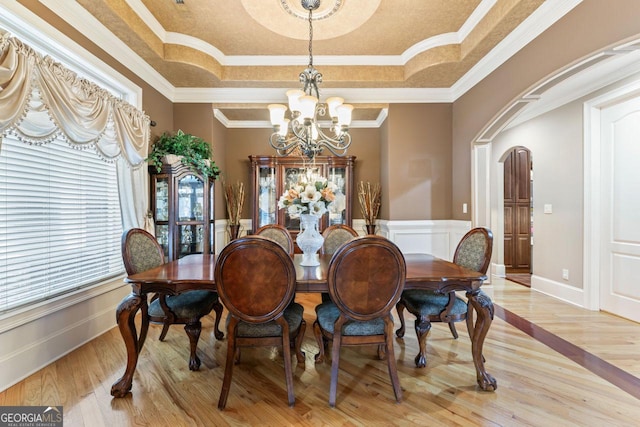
(302, 131)
(310, 38)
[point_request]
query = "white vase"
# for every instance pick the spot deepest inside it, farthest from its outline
(309, 239)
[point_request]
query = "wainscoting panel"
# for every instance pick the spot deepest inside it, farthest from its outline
(438, 238)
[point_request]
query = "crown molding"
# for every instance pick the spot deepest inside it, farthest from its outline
(46, 40)
(264, 124)
(76, 16)
(277, 95)
(542, 18)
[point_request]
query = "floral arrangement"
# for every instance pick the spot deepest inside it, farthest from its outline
(311, 194)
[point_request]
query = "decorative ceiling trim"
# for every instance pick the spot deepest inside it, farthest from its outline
(535, 24)
(265, 124)
(260, 60)
(355, 96)
(90, 27)
(79, 18)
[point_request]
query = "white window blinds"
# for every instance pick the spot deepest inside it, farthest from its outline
(60, 222)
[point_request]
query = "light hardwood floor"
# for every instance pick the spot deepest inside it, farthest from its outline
(580, 368)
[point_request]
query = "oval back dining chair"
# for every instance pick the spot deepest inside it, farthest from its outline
(365, 279)
(279, 234)
(335, 236)
(256, 281)
(141, 252)
(473, 252)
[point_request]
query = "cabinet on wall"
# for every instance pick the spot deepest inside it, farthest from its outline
(271, 175)
(182, 207)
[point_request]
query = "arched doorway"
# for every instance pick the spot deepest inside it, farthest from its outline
(518, 211)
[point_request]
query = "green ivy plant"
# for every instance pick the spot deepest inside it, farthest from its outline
(194, 151)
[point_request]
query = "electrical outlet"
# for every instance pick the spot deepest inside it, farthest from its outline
(565, 274)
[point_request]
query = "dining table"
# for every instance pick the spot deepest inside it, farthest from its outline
(423, 271)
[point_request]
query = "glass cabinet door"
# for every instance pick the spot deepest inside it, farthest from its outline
(190, 198)
(337, 209)
(182, 203)
(267, 197)
(162, 199)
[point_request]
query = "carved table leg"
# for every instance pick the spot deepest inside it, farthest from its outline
(483, 306)
(193, 332)
(125, 315)
(423, 326)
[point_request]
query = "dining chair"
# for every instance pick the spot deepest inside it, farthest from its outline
(256, 281)
(365, 279)
(335, 236)
(473, 252)
(279, 234)
(141, 252)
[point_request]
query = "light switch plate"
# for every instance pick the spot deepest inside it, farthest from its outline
(548, 209)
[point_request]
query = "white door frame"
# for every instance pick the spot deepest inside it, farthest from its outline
(593, 198)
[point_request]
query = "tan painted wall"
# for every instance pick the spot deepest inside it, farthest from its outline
(579, 33)
(241, 143)
(417, 162)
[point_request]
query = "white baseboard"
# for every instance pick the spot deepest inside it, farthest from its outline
(561, 291)
(32, 344)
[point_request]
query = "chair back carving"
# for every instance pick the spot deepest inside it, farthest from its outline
(279, 234)
(335, 236)
(255, 278)
(474, 250)
(366, 277)
(140, 251)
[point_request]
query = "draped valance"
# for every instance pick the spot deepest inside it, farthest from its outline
(40, 100)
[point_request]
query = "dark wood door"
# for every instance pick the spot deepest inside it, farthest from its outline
(517, 211)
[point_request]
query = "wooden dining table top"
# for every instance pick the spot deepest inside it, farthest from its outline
(196, 271)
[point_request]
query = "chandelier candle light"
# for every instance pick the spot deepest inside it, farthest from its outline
(302, 131)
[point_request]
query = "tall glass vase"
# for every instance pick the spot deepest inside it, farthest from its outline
(309, 239)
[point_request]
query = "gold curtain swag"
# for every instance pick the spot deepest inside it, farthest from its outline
(40, 100)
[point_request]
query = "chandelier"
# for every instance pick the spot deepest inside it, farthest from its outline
(302, 130)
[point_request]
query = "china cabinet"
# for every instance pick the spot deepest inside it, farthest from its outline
(182, 207)
(272, 175)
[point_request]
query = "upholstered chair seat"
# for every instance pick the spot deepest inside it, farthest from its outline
(188, 305)
(473, 252)
(431, 303)
(292, 314)
(365, 279)
(141, 252)
(327, 313)
(256, 281)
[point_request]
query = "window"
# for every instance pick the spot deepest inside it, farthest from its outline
(60, 222)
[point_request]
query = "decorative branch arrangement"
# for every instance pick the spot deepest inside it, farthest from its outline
(234, 196)
(369, 196)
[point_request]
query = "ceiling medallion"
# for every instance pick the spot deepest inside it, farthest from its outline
(307, 4)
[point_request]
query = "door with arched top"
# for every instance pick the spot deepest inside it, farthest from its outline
(518, 219)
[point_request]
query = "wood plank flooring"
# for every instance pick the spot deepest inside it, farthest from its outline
(556, 365)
